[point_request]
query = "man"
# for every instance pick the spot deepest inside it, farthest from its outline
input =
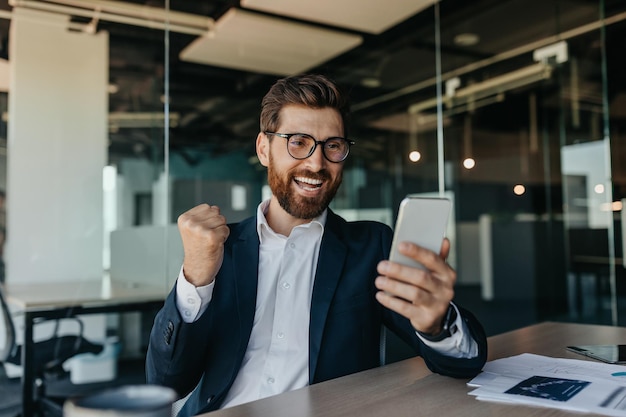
(296, 295)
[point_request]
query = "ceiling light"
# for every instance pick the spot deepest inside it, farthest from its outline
(617, 206)
(125, 13)
(373, 17)
(466, 39)
(415, 156)
(132, 120)
(370, 82)
(259, 43)
(469, 163)
(492, 86)
(599, 188)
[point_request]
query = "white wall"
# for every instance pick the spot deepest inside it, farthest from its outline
(590, 160)
(57, 141)
(146, 255)
(136, 176)
(468, 240)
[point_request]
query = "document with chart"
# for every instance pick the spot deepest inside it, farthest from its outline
(567, 384)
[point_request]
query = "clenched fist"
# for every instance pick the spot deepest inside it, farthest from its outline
(203, 231)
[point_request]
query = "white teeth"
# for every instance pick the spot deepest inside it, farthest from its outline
(308, 180)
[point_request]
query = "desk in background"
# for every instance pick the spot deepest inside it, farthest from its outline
(408, 388)
(66, 299)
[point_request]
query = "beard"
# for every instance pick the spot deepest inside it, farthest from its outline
(296, 205)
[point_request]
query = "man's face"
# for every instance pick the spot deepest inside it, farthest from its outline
(303, 188)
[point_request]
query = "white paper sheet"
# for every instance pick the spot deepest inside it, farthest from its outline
(567, 384)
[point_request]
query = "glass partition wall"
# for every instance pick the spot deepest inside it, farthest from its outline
(528, 158)
(530, 145)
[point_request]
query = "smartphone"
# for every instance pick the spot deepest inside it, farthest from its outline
(604, 353)
(423, 221)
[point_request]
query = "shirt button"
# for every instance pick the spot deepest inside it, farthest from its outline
(270, 380)
(281, 335)
(187, 313)
(292, 245)
(191, 300)
(286, 285)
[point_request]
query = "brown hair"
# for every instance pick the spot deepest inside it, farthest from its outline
(311, 90)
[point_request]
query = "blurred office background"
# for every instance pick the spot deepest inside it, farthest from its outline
(118, 116)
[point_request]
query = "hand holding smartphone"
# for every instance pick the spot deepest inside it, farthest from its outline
(423, 221)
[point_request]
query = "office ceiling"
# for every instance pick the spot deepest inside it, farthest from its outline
(387, 69)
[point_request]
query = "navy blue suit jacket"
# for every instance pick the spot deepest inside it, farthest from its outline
(344, 328)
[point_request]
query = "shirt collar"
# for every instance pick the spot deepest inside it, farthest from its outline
(263, 228)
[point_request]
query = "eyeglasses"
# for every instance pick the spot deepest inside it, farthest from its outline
(301, 146)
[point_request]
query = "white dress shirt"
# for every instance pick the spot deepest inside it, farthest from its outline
(277, 356)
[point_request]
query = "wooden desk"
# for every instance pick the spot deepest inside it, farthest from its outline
(67, 299)
(409, 389)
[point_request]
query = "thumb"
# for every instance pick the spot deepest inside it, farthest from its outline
(445, 248)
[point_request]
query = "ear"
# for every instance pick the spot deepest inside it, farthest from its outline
(263, 149)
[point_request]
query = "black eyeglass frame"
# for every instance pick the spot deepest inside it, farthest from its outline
(288, 136)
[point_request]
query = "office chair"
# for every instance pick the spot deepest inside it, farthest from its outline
(48, 359)
(10, 388)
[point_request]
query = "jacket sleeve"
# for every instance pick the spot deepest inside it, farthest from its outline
(176, 350)
(460, 367)
(438, 362)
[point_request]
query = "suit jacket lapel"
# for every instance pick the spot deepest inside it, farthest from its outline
(329, 268)
(245, 274)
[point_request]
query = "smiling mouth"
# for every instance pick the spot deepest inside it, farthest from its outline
(308, 184)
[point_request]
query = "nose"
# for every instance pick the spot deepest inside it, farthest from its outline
(317, 160)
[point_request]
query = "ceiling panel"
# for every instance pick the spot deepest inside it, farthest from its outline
(372, 17)
(253, 42)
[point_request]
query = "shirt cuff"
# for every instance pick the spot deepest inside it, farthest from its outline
(459, 345)
(192, 301)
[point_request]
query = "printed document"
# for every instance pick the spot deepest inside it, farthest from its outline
(568, 384)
